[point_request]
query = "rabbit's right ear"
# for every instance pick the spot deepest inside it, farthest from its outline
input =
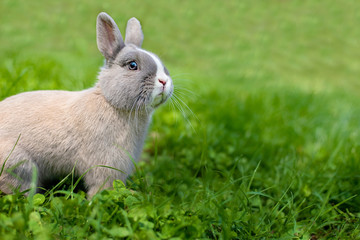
(108, 36)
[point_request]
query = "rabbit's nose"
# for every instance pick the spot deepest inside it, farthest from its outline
(163, 82)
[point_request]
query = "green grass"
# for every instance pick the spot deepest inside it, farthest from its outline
(272, 150)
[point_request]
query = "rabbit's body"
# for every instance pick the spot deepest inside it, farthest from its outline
(104, 125)
(59, 129)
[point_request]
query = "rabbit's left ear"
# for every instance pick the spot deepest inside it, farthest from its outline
(109, 39)
(134, 34)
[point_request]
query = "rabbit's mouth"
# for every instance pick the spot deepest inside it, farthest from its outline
(161, 92)
(160, 99)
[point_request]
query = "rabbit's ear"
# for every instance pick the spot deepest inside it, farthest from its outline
(134, 33)
(109, 39)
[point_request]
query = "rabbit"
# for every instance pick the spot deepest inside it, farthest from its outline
(54, 132)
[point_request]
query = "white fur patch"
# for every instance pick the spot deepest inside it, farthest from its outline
(160, 74)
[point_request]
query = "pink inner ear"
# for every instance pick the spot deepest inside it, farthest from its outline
(109, 32)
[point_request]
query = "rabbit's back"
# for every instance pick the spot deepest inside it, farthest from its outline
(34, 112)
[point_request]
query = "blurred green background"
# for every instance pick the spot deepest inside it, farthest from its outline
(307, 44)
(271, 146)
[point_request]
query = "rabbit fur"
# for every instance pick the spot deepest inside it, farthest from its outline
(54, 132)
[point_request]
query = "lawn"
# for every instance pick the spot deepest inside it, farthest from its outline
(260, 141)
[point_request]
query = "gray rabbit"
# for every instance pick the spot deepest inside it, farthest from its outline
(104, 125)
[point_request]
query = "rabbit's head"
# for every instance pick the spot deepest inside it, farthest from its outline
(132, 78)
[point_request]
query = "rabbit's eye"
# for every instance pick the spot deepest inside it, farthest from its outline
(133, 65)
